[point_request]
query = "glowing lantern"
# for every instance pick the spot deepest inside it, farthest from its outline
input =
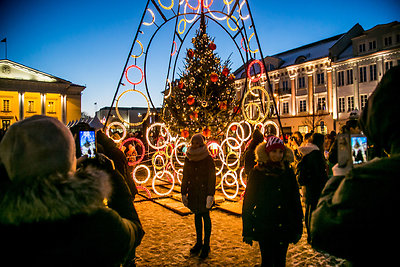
(213, 147)
(184, 133)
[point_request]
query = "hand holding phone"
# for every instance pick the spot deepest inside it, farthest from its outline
(352, 149)
(87, 143)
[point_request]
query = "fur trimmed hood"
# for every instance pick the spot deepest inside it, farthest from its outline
(307, 149)
(54, 197)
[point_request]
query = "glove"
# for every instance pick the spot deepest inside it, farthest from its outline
(185, 200)
(210, 201)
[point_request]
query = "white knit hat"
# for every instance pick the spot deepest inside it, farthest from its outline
(37, 146)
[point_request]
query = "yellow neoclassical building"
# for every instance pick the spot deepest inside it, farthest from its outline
(25, 92)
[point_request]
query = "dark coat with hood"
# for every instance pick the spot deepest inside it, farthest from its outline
(356, 217)
(311, 172)
(198, 182)
(271, 205)
(61, 220)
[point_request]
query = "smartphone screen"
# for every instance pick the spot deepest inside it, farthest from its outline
(359, 149)
(87, 143)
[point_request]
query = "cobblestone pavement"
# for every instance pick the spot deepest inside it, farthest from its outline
(169, 237)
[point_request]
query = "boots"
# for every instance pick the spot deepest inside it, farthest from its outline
(205, 251)
(196, 248)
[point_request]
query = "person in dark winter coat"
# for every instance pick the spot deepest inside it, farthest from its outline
(52, 214)
(250, 156)
(198, 189)
(272, 213)
(356, 217)
(312, 175)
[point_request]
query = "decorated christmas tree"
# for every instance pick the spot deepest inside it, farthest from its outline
(203, 99)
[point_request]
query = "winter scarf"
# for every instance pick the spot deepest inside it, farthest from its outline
(197, 154)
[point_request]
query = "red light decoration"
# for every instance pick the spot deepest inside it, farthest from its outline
(126, 74)
(181, 84)
(190, 100)
(184, 133)
(214, 77)
(223, 105)
(261, 70)
(212, 46)
(191, 7)
(173, 53)
(130, 163)
(207, 132)
(225, 72)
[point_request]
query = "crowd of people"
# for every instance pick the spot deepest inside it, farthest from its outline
(58, 208)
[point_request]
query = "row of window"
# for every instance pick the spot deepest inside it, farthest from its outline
(387, 41)
(321, 104)
(30, 107)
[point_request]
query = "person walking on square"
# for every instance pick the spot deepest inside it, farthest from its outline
(198, 189)
(312, 175)
(272, 213)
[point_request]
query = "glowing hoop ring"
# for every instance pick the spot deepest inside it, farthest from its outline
(176, 150)
(123, 131)
(240, 11)
(167, 8)
(135, 170)
(228, 11)
(193, 8)
(208, 4)
(119, 115)
(195, 16)
(179, 26)
(160, 176)
(173, 53)
(141, 47)
(140, 143)
(267, 102)
(152, 15)
(227, 22)
(255, 51)
(241, 177)
(162, 125)
(261, 70)
(249, 135)
(126, 74)
(170, 89)
(232, 174)
(273, 124)
(246, 111)
(159, 154)
(236, 162)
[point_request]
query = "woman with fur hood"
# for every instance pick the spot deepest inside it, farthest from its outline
(312, 175)
(272, 213)
(52, 214)
(198, 189)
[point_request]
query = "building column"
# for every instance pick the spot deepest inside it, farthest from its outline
(357, 86)
(64, 108)
(21, 102)
(310, 80)
(293, 93)
(43, 103)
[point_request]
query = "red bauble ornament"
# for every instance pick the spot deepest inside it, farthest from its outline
(190, 100)
(194, 115)
(222, 105)
(184, 133)
(181, 84)
(214, 77)
(212, 46)
(233, 128)
(225, 72)
(190, 53)
(207, 132)
(236, 110)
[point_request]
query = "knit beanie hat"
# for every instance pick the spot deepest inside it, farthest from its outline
(272, 143)
(37, 146)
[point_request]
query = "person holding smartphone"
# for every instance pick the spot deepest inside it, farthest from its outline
(356, 217)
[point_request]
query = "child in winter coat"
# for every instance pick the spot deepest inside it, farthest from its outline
(198, 189)
(272, 213)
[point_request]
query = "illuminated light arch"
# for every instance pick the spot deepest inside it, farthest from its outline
(261, 70)
(153, 18)
(135, 170)
(165, 7)
(211, 1)
(120, 125)
(133, 123)
(142, 146)
(141, 47)
(228, 5)
(235, 181)
(158, 175)
(126, 74)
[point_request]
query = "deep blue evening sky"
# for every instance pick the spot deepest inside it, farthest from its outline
(87, 42)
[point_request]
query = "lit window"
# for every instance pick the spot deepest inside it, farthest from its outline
(6, 105)
(31, 106)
